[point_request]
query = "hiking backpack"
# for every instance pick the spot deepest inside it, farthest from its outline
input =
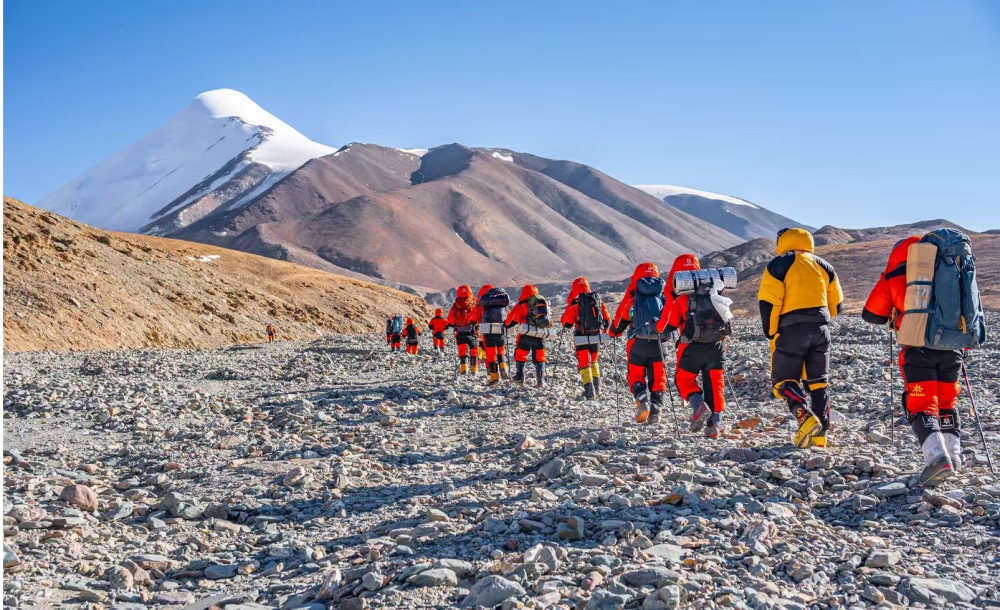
(397, 325)
(538, 312)
(647, 307)
(702, 322)
(589, 321)
(494, 304)
(463, 319)
(955, 317)
(411, 333)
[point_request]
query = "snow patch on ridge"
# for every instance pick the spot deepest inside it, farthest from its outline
(499, 155)
(661, 191)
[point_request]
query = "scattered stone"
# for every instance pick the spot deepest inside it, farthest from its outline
(491, 591)
(79, 496)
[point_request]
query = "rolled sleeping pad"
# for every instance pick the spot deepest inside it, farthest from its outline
(491, 328)
(541, 333)
(685, 282)
(920, 260)
(591, 339)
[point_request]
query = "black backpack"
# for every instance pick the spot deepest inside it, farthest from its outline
(589, 322)
(702, 323)
(538, 312)
(494, 304)
(411, 333)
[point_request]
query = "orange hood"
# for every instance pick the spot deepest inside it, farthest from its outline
(484, 290)
(463, 292)
(438, 313)
(684, 262)
(899, 252)
(409, 321)
(527, 292)
(643, 270)
(580, 285)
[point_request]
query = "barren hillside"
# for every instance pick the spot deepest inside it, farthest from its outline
(70, 286)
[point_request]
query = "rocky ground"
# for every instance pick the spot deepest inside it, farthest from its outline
(334, 474)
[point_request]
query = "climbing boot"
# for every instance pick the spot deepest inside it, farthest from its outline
(641, 407)
(714, 427)
(588, 391)
(655, 408)
(700, 412)
(540, 374)
(809, 428)
(519, 373)
(504, 371)
(953, 444)
(937, 464)
(597, 386)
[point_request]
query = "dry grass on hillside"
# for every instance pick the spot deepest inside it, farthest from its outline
(70, 286)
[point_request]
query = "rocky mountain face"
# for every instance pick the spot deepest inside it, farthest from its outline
(71, 286)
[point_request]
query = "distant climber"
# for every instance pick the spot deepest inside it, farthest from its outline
(437, 325)
(460, 317)
(532, 314)
(588, 316)
(270, 333)
(412, 334)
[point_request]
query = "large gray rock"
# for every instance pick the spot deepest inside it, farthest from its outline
(924, 590)
(220, 571)
(671, 552)
(646, 576)
(606, 600)
(491, 591)
(435, 577)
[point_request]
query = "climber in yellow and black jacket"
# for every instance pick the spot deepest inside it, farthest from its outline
(798, 295)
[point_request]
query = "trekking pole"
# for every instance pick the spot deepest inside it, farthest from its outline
(618, 380)
(673, 406)
(892, 387)
(979, 423)
(732, 389)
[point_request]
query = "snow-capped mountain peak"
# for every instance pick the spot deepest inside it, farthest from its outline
(219, 152)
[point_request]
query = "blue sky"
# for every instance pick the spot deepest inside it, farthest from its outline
(846, 113)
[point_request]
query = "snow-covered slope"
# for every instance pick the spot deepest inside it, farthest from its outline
(738, 216)
(219, 152)
(662, 191)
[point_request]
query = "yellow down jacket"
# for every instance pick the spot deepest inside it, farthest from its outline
(798, 286)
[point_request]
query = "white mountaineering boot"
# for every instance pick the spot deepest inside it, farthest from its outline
(937, 464)
(953, 444)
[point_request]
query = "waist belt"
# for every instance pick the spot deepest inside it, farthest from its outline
(541, 333)
(492, 328)
(468, 328)
(590, 339)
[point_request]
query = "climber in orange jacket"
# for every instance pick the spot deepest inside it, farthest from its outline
(705, 355)
(461, 318)
(931, 376)
(645, 303)
(412, 334)
(437, 325)
(587, 315)
(531, 312)
(491, 312)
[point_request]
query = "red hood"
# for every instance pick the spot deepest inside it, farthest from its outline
(438, 313)
(684, 262)
(463, 292)
(580, 285)
(643, 270)
(899, 252)
(528, 291)
(484, 290)
(409, 321)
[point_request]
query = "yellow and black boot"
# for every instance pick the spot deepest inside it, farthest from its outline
(504, 371)
(588, 383)
(463, 367)
(595, 375)
(494, 372)
(641, 403)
